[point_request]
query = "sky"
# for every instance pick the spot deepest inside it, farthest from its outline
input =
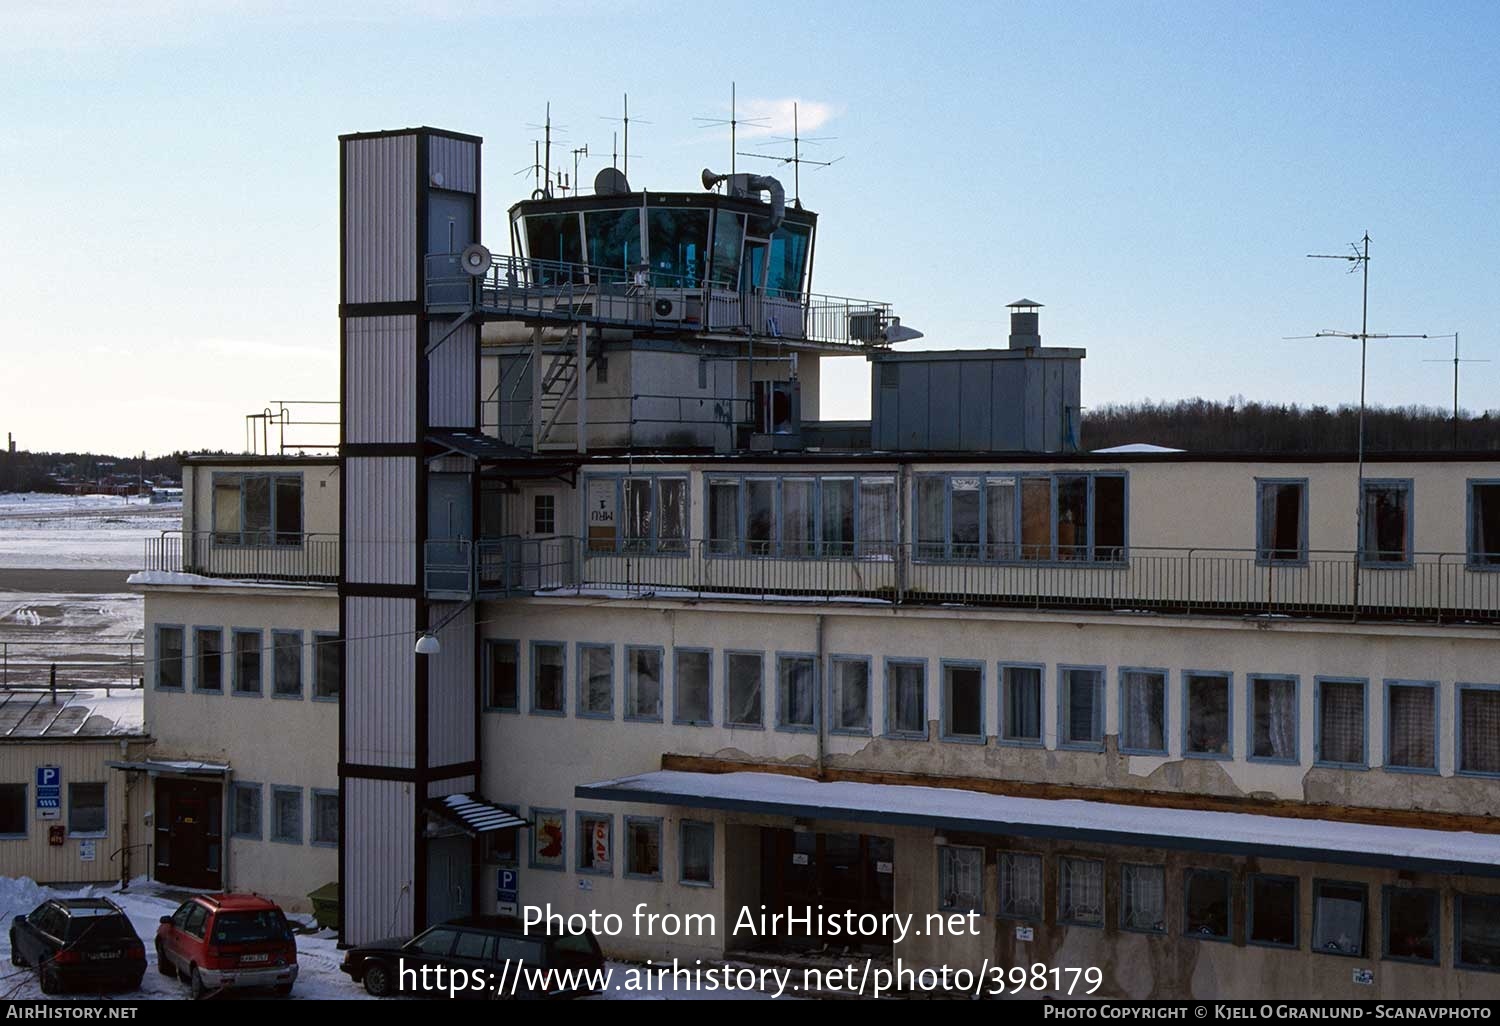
(1154, 173)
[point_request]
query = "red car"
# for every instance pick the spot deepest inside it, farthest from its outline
(221, 941)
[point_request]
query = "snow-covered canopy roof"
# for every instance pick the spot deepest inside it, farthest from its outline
(1139, 447)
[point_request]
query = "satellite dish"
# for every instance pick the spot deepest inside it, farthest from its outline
(610, 182)
(476, 259)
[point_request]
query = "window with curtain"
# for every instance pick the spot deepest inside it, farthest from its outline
(1206, 904)
(1479, 730)
(906, 700)
(1413, 916)
(1082, 706)
(1208, 716)
(1339, 918)
(1411, 726)
(964, 517)
(1021, 703)
(1000, 518)
(596, 686)
(837, 499)
(877, 516)
(851, 694)
(1080, 887)
(642, 683)
(692, 676)
(967, 518)
(960, 879)
(1280, 526)
(931, 517)
(1143, 898)
(1484, 523)
(796, 678)
(1385, 522)
(1273, 718)
(798, 517)
(723, 516)
(1341, 722)
(963, 701)
(1020, 885)
(635, 533)
(1143, 709)
(745, 674)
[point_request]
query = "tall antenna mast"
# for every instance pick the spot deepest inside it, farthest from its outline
(582, 151)
(733, 124)
(625, 120)
(1456, 361)
(796, 159)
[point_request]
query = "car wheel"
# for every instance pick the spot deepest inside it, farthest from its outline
(50, 983)
(164, 964)
(285, 990)
(15, 952)
(378, 980)
(195, 985)
(134, 983)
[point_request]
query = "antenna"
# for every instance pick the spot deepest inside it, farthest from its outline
(542, 164)
(625, 120)
(796, 159)
(582, 151)
(711, 122)
(1456, 361)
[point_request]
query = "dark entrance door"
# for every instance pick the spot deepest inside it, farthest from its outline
(189, 833)
(842, 872)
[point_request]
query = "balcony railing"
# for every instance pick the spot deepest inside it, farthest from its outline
(294, 558)
(1432, 588)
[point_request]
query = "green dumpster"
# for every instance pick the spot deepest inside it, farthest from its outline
(325, 903)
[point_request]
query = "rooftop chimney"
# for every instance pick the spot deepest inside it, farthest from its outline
(1024, 333)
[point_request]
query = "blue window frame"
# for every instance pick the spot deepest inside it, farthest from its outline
(1341, 917)
(1281, 521)
(1476, 927)
(1385, 523)
(328, 666)
(642, 848)
(1341, 722)
(596, 681)
(549, 678)
(245, 810)
(1023, 706)
(246, 646)
(286, 814)
(637, 513)
(208, 660)
(257, 510)
(963, 701)
(850, 694)
(1411, 922)
(906, 698)
(1274, 911)
(1476, 721)
(693, 687)
(1208, 904)
(695, 853)
(596, 844)
(286, 664)
(798, 516)
(744, 690)
(797, 692)
(1482, 523)
(1009, 517)
(1274, 721)
(1412, 732)
(502, 676)
(643, 683)
(1143, 710)
(1080, 707)
(171, 657)
(1207, 714)
(325, 818)
(548, 847)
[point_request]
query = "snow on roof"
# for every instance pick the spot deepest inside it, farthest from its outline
(174, 579)
(953, 808)
(476, 815)
(1138, 447)
(38, 714)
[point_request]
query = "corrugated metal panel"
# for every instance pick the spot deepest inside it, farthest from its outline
(450, 687)
(944, 416)
(380, 686)
(456, 160)
(453, 785)
(379, 857)
(380, 188)
(976, 417)
(451, 384)
(381, 365)
(382, 516)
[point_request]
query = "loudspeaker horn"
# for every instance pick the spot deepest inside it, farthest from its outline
(476, 259)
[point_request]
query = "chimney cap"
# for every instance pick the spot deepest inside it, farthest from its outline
(1029, 304)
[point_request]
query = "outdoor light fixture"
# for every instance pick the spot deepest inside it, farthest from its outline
(428, 644)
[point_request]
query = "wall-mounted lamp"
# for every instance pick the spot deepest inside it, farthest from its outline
(428, 644)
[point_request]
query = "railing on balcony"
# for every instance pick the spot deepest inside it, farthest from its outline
(550, 290)
(293, 558)
(497, 567)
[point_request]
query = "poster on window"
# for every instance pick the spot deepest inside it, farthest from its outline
(548, 841)
(601, 515)
(600, 841)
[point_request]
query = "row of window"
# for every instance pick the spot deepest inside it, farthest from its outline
(251, 666)
(257, 509)
(87, 810)
(1272, 703)
(1410, 920)
(595, 851)
(247, 807)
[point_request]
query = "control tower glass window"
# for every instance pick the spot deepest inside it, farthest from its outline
(729, 236)
(679, 241)
(614, 238)
(788, 258)
(554, 238)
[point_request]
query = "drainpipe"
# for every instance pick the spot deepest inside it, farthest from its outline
(819, 696)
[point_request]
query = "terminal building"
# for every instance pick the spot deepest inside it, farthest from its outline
(593, 600)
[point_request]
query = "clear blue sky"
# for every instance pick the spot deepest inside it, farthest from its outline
(1153, 173)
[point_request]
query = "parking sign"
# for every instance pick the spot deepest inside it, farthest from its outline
(49, 792)
(507, 891)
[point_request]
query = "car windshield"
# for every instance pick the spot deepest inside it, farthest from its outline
(250, 927)
(99, 928)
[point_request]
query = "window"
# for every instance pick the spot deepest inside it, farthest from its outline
(1411, 725)
(1143, 898)
(1280, 521)
(1479, 728)
(1484, 523)
(502, 847)
(286, 664)
(796, 692)
(743, 700)
(960, 879)
(1020, 880)
(544, 513)
(208, 659)
(692, 680)
(963, 701)
(246, 673)
(13, 810)
(328, 666)
(1273, 718)
(836, 505)
(1143, 711)
(436, 941)
(1341, 723)
(474, 945)
(643, 847)
(1021, 704)
(800, 517)
(1080, 892)
(875, 524)
(647, 514)
(1206, 904)
(169, 658)
(1209, 726)
(549, 839)
(325, 818)
(1339, 918)
(596, 843)
(244, 810)
(696, 854)
(963, 517)
(501, 676)
(906, 698)
(1411, 919)
(1274, 912)
(596, 681)
(547, 684)
(851, 695)
(723, 517)
(642, 683)
(1477, 931)
(257, 509)
(1385, 524)
(86, 809)
(286, 814)
(1081, 713)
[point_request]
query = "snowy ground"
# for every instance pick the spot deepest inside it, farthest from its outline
(42, 531)
(93, 639)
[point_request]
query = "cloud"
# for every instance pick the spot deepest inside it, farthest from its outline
(774, 117)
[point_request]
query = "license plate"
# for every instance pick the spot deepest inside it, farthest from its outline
(102, 956)
(255, 958)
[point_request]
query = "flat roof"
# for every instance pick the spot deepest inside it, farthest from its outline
(941, 808)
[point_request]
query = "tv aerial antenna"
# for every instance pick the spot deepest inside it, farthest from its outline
(1455, 361)
(733, 123)
(796, 159)
(541, 165)
(624, 120)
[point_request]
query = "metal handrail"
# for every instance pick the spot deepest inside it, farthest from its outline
(313, 558)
